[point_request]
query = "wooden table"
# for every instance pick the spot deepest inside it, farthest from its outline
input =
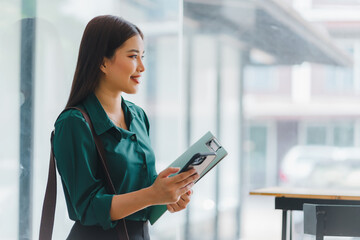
(289, 199)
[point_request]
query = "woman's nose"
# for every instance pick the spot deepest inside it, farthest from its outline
(141, 67)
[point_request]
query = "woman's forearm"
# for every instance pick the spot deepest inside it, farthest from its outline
(123, 205)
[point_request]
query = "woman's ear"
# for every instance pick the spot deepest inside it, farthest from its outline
(103, 65)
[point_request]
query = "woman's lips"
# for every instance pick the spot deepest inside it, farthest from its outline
(136, 78)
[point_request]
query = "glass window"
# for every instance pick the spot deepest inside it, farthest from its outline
(316, 135)
(257, 156)
(330, 133)
(10, 42)
(261, 78)
(344, 135)
(203, 117)
(339, 79)
(266, 77)
(58, 37)
(229, 137)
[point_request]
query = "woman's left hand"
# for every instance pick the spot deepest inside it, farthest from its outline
(181, 204)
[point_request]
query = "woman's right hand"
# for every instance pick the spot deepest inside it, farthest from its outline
(168, 189)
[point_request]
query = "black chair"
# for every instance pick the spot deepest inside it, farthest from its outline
(331, 220)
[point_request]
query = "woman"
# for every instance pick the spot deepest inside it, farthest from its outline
(110, 63)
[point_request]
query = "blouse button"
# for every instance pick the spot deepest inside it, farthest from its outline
(133, 137)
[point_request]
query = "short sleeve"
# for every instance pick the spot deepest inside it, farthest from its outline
(77, 163)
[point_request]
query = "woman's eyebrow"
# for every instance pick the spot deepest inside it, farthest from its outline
(135, 50)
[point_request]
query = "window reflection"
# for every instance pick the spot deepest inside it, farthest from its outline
(270, 78)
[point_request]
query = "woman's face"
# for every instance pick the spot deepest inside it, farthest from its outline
(122, 72)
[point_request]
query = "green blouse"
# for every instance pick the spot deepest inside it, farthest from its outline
(129, 155)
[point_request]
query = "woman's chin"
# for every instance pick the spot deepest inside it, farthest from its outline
(131, 91)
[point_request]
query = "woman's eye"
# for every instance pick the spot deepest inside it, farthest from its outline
(142, 57)
(133, 56)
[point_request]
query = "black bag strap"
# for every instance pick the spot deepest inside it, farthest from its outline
(48, 211)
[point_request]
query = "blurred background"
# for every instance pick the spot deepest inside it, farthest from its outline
(277, 81)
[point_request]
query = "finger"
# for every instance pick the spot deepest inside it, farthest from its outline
(184, 201)
(190, 192)
(188, 180)
(170, 208)
(185, 198)
(168, 171)
(186, 188)
(176, 207)
(184, 175)
(180, 205)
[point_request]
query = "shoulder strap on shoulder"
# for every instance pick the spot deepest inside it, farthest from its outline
(48, 211)
(100, 149)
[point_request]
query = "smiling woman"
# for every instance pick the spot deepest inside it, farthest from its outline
(104, 37)
(109, 64)
(122, 71)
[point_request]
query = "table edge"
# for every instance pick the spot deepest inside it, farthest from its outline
(310, 196)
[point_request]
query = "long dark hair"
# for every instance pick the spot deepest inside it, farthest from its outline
(102, 36)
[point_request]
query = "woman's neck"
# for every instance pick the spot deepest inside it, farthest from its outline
(110, 101)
